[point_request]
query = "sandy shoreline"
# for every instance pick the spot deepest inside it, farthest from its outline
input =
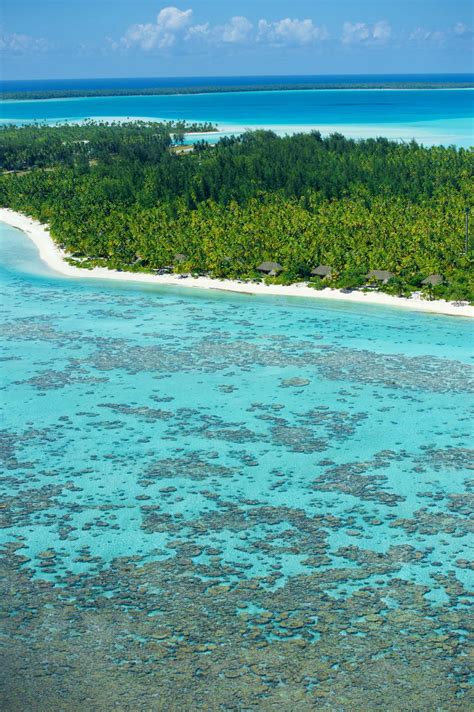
(55, 259)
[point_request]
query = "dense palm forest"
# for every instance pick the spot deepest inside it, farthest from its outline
(125, 197)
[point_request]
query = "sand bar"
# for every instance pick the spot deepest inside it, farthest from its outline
(55, 259)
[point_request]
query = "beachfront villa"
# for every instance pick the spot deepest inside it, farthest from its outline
(272, 269)
(433, 280)
(322, 271)
(380, 275)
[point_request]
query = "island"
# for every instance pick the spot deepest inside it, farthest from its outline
(41, 94)
(327, 212)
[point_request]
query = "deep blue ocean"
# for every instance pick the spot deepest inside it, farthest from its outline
(264, 80)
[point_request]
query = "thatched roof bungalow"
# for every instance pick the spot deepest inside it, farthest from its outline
(380, 275)
(179, 258)
(433, 280)
(270, 268)
(321, 271)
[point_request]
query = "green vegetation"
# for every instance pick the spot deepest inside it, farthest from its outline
(167, 91)
(42, 146)
(118, 196)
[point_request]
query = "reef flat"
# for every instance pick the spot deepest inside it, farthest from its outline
(211, 501)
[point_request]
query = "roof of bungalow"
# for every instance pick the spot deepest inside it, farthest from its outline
(270, 267)
(433, 280)
(321, 271)
(382, 275)
(180, 258)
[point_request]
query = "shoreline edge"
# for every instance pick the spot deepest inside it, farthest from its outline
(54, 257)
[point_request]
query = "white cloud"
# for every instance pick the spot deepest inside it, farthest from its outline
(22, 44)
(362, 32)
(199, 32)
(423, 35)
(162, 34)
(381, 31)
(460, 29)
(172, 19)
(290, 32)
(355, 32)
(237, 30)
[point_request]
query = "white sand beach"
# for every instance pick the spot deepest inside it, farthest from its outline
(55, 259)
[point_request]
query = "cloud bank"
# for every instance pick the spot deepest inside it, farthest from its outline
(22, 44)
(174, 26)
(358, 32)
(170, 23)
(175, 30)
(290, 32)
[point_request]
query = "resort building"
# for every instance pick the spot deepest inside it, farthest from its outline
(271, 268)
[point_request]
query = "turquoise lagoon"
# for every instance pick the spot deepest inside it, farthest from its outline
(431, 116)
(216, 501)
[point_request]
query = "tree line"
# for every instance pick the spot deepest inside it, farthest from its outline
(41, 94)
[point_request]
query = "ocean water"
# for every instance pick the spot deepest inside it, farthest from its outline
(15, 85)
(216, 501)
(429, 116)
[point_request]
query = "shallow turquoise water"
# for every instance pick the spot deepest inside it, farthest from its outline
(242, 438)
(429, 116)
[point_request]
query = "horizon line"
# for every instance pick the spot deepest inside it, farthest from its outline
(241, 76)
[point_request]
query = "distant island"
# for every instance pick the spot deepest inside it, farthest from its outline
(213, 89)
(328, 211)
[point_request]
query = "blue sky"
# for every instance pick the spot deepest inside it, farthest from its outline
(100, 38)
